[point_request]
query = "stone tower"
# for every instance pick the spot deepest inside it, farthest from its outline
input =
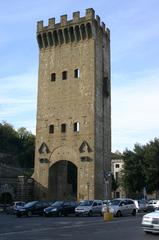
(73, 134)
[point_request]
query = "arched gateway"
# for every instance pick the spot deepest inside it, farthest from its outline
(73, 137)
(62, 180)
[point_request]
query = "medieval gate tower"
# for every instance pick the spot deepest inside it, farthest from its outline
(73, 134)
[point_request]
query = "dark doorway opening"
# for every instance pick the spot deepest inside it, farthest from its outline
(63, 181)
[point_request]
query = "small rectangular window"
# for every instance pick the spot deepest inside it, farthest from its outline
(117, 165)
(64, 75)
(76, 127)
(51, 129)
(77, 73)
(63, 128)
(53, 76)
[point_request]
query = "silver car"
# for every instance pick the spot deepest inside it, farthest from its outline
(122, 206)
(89, 208)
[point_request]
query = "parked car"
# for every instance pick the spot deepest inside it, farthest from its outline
(143, 205)
(89, 207)
(122, 206)
(60, 208)
(152, 205)
(32, 208)
(150, 222)
(12, 209)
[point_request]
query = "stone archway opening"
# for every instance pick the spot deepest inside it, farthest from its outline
(63, 181)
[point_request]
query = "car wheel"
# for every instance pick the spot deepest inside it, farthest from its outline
(134, 212)
(29, 214)
(90, 214)
(118, 214)
(18, 215)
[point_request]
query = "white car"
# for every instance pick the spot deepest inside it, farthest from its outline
(89, 208)
(122, 206)
(150, 222)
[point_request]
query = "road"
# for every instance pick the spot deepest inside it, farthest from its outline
(72, 228)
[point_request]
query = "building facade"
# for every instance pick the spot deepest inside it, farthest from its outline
(116, 169)
(73, 134)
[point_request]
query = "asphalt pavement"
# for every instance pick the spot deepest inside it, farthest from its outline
(72, 228)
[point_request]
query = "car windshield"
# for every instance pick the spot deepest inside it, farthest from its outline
(29, 204)
(86, 203)
(115, 202)
(57, 204)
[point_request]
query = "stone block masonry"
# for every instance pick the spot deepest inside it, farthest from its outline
(73, 134)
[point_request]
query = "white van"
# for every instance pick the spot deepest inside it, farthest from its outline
(89, 207)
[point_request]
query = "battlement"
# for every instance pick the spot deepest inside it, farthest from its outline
(77, 29)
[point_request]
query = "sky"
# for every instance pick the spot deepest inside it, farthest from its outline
(134, 27)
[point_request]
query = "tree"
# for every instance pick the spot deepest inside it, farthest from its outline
(141, 169)
(8, 138)
(26, 155)
(133, 177)
(152, 165)
(19, 144)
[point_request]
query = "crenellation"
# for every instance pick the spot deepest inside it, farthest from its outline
(76, 17)
(63, 20)
(68, 31)
(98, 20)
(103, 26)
(51, 23)
(40, 26)
(90, 13)
(108, 33)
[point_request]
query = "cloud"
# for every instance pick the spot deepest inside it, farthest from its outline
(18, 100)
(135, 110)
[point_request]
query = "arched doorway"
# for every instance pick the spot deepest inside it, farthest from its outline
(63, 181)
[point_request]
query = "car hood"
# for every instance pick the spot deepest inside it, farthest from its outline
(152, 215)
